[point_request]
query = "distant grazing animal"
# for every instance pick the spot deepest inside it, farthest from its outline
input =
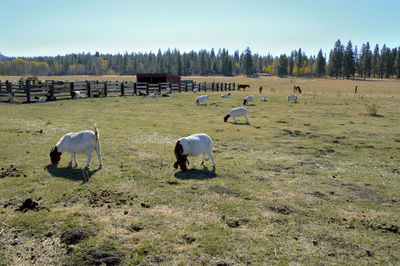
(355, 90)
(260, 89)
(195, 90)
(202, 98)
(241, 111)
(153, 95)
(10, 96)
(296, 89)
(168, 90)
(40, 99)
(248, 99)
(142, 94)
(292, 98)
(98, 94)
(225, 95)
(262, 99)
(165, 95)
(76, 95)
(243, 86)
(193, 145)
(77, 143)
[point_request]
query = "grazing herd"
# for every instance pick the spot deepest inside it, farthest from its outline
(85, 142)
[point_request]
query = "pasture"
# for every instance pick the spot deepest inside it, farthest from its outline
(310, 183)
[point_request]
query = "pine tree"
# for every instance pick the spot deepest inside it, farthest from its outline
(248, 62)
(375, 61)
(366, 61)
(348, 66)
(397, 63)
(320, 64)
(337, 59)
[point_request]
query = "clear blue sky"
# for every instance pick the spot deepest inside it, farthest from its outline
(52, 27)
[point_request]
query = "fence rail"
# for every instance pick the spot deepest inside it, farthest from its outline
(31, 91)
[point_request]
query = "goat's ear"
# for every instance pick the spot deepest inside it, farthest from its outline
(176, 165)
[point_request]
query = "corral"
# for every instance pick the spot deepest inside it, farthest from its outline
(307, 183)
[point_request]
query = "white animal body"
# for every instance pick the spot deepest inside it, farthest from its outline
(168, 90)
(41, 100)
(292, 98)
(153, 95)
(193, 146)
(83, 142)
(262, 99)
(235, 112)
(225, 95)
(76, 95)
(10, 96)
(248, 99)
(201, 99)
(195, 90)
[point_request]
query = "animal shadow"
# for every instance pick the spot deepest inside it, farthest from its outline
(196, 174)
(70, 172)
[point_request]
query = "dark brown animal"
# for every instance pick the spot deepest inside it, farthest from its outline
(243, 86)
(260, 89)
(181, 159)
(355, 90)
(296, 89)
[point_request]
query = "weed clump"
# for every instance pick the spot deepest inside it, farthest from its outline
(372, 109)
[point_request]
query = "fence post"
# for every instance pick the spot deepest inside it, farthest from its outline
(212, 86)
(134, 88)
(105, 89)
(88, 88)
(159, 87)
(71, 87)
(122, 89)
(179, 87)
(147, 88)
(52, 91)
(234, 85)
(28, 91)
(205, 86)
(186, 85)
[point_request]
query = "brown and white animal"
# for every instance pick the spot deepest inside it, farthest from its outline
(243, 86)
(76, 95)
(77, 143)
(296, 89)
(262, 99)
(193, 145)
(225, 95)
(248, 99)
(235, 112)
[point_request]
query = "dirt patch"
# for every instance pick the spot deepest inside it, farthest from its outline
(11, 172)
(316, 194)
(188, 240)
(29, 204)
(134, 228)
(100, 257)
(280, 209)
(225, 190)
(73, 236)
(107, 196)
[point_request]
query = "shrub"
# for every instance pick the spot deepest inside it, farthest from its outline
(372, 109)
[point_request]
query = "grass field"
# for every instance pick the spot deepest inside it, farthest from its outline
(307, 183)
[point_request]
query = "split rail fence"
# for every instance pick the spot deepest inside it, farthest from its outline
(31, 90)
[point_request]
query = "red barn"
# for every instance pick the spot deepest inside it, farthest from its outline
(154, 78)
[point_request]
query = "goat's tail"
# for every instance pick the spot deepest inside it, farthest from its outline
(96, 132)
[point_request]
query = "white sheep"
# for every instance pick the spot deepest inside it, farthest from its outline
(168, 90)
(292, 98)
(248, 99)
(153, 95)
(241, 111)
(193, 145)
(195, 90)
(262, 99)
(201, 99)
(77, 143)
(225, 95)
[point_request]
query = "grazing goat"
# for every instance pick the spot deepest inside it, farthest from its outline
(262, 99)
(225, 95)
(10, 96)
(168, 90)
(202, 98)
(241, 111)
(243, 86)
(142, 94)
(193, 145)
(153, 95)
(76, 95)
(195, 90)
(292, 98)
(248, 99)
(296, 89)
(260, 89)
(39, 99)
(77, 143)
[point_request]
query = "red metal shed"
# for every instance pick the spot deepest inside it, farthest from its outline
(154, 78)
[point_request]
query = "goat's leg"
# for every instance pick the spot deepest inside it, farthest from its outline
(234, 119)
(89, 157)
(76, 162)
(70, 161)
(204, 157)
(245, 116)
(210, 154)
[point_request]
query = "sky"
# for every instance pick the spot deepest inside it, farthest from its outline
(55, 27)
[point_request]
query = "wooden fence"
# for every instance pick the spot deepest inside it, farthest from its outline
(30, 91)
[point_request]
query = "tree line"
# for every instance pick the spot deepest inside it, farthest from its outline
(343, 62)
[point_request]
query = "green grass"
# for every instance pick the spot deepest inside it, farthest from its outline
(310, 183)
